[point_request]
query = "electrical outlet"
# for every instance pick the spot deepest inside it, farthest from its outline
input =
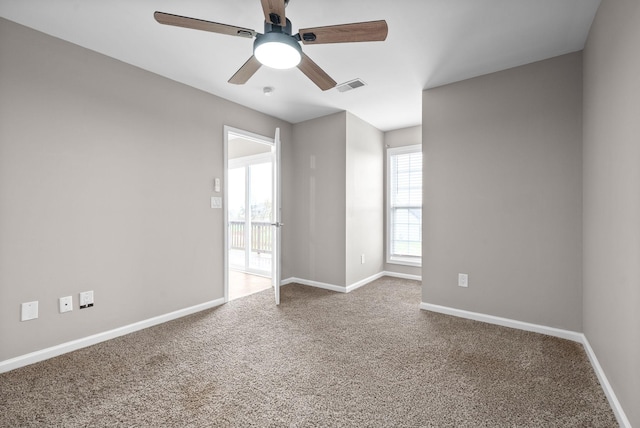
(216, 202)
(463, 280)
(86, 299)
(66, 304)
(362, 259)
(29, 311)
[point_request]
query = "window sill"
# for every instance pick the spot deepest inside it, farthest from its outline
(405, 261)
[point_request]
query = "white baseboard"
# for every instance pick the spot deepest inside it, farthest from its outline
(403, 275)
(349, 288)
(551, 331)
(63, 348)
(623, 421)
(365, 281)
(506, 322)
(316, 284)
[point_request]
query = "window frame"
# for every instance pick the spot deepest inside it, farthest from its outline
(390, 258)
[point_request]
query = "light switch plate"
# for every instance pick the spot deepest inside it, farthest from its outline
(29, 311)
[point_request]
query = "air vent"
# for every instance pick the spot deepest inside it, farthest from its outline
(351, 84)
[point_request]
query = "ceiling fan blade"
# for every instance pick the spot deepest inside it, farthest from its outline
(200, 24)
(246, 71)
(274, 12)
(372, 31)
(315, 73)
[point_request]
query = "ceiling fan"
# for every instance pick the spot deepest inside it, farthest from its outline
(277, 47)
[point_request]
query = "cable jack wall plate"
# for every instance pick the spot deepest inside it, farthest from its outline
(66, 304)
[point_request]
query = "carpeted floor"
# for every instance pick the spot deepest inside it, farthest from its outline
(369, 358)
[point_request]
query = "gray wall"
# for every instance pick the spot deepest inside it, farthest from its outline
(364, 200)
(503, 195)
(337, 164)
(318, 226)
(105, 177)
(612, 199)
(399, 138)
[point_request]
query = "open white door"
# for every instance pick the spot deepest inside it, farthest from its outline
(276, 224)
(248, 160)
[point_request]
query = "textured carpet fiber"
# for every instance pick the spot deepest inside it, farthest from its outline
(325, 359)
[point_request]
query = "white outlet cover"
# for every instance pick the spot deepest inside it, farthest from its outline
(216, 202)
(66, 304)
(29, 311)
(463, 280)
(86, 299)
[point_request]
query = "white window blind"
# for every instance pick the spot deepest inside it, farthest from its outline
(405, 205)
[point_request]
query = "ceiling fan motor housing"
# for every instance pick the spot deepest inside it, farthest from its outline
(272, 28)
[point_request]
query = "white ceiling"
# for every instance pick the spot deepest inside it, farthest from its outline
(430, 43)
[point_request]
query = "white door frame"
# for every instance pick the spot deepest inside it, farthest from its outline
(225, 200)
(277, 218)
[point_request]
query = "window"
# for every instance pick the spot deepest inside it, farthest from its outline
(404, 205)
(249, 208)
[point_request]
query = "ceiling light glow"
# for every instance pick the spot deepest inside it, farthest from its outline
(277, 50)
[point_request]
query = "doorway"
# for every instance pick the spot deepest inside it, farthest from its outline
(251, 211)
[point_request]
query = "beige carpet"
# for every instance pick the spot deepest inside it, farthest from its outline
(369, 358)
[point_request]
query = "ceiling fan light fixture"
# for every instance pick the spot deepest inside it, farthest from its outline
(277, 50)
